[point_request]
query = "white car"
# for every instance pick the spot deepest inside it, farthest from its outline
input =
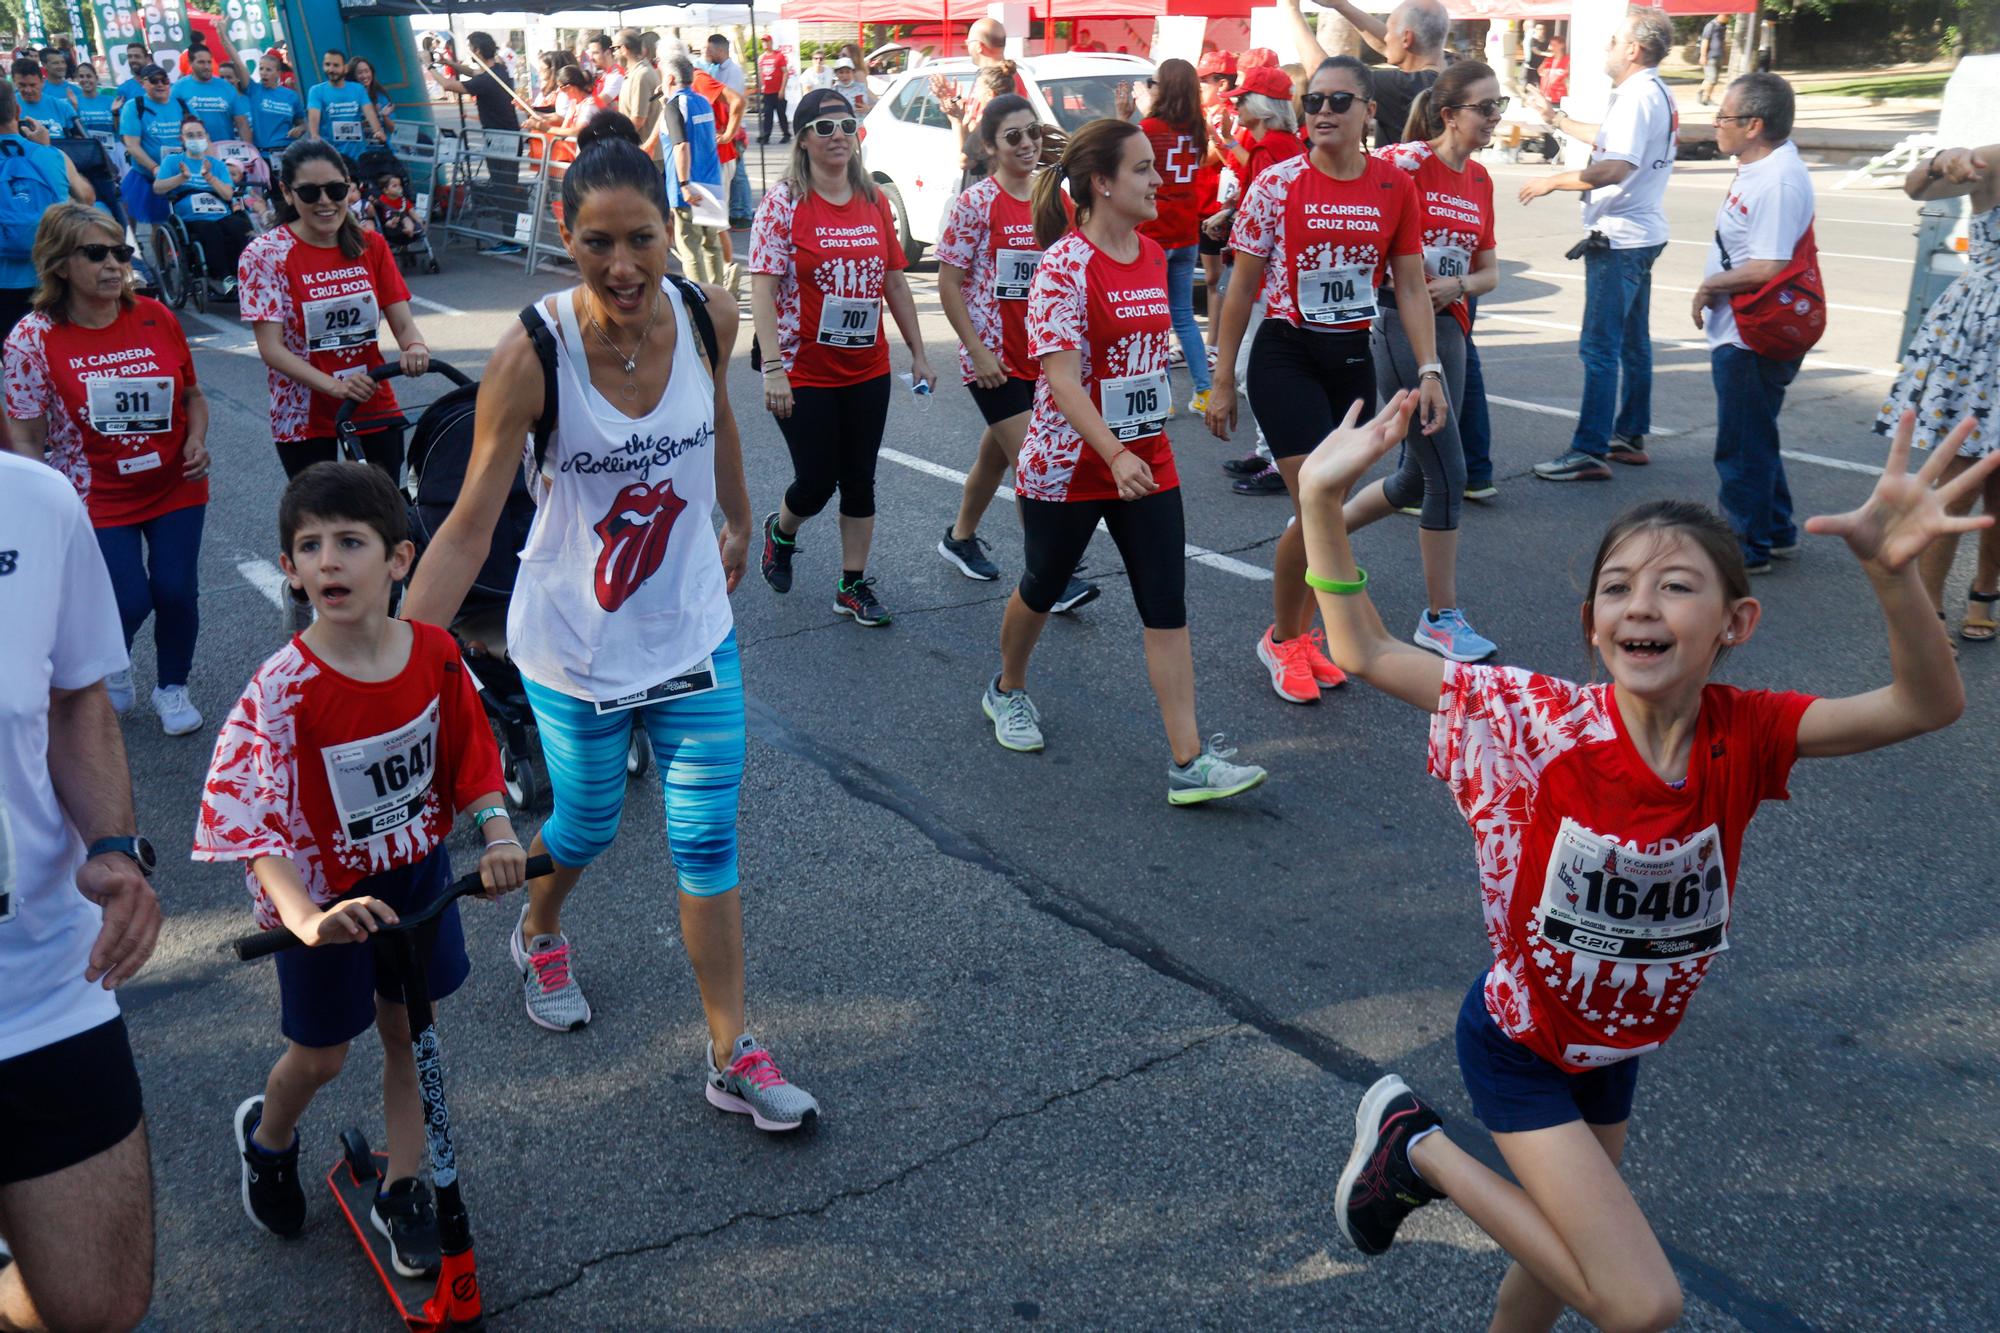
(912, 151)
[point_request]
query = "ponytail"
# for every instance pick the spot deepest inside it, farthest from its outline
(1424, 122)
(1093, 151)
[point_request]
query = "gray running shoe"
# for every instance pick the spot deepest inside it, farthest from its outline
(554, 999)
(1017, 723)
(752, 1086)
(1209, 776)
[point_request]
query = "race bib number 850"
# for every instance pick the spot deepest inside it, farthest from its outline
(1603, 899)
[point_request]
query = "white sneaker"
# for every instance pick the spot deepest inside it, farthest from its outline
(178, 716)
(119, 686)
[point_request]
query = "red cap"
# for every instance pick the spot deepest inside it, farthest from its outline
(1258, 57)
(1216, 62)
(1266, 80)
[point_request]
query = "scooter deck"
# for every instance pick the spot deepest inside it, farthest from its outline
(356, 1198)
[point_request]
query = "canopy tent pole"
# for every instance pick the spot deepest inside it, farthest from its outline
(763, 117)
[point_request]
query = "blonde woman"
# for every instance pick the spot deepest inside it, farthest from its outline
(134, 440)
(824, 258)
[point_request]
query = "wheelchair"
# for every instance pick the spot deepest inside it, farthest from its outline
(180, 261)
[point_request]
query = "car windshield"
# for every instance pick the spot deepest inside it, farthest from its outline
(1078, 101)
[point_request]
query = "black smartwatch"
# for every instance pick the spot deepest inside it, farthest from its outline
(137, 849)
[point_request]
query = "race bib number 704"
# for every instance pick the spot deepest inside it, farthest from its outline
(1606, 900)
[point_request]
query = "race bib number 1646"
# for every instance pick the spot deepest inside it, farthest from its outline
(1604, 899)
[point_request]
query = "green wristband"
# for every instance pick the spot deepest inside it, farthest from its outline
(479, 817)
(1336, 586)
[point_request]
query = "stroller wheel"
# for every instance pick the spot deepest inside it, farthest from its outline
(524, 788)
(432, 266)
(639, 754)
(355, 1152)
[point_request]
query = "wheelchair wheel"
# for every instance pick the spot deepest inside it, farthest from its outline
(170, 266)
(197, 277)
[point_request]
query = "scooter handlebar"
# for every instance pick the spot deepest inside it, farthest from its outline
(264, 943)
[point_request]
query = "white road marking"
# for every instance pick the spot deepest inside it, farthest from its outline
(1689, 291)
(1544, 409)
(1678, 344)
(1865, 469)
(435, 307)
(1824, 254)
(266, 578)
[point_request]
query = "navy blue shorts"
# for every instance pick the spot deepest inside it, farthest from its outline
(327, 994)
(1514, 1091)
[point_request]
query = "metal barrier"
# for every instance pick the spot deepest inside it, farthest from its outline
(500, 188)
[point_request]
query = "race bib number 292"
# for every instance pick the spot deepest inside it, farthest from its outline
(1604, 899)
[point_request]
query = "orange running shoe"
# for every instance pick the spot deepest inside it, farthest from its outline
(1290, 668)
(1325, 670)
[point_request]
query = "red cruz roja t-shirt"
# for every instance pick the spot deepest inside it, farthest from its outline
(115, 403)
(1326, 243)
(830, 261)
(329, 307)
(1455, 213)
(990, 235)
(1177, 223)
(1116, 316)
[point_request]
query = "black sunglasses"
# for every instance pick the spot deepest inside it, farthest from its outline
(826, 129)
(156, 78)
(1339, 102)
(1015, 135)
(97, 252)
(1497, 107)
(335, 191)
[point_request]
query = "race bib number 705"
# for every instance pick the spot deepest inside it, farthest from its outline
(1606, 900)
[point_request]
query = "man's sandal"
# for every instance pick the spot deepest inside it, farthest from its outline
(1979, 626)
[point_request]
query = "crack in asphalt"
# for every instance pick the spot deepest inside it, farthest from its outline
(863, 1191)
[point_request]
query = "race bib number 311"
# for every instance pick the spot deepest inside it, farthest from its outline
(1603, 899)
(130, 406)
(379, 784)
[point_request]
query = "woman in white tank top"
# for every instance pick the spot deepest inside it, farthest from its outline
(621, 609)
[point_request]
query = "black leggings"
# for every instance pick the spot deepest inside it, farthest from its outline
(1301, 383)
(383, 448)
(834, 435)
(1151, 535)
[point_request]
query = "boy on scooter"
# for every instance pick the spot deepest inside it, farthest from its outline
(336, 779)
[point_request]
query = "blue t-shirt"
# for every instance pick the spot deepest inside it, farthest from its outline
(95, 113)
(156, 125)
(215, 101)
(130, 89)
(340, 120)
(186, 204)
(53, 110)
(65, 88)
(55, 169)
(704, 166)
(273, 112)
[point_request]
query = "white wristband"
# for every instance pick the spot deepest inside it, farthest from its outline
(1430, 367)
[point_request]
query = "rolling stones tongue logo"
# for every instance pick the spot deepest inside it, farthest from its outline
(635, 534)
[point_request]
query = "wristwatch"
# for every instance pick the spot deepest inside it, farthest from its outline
(137, 849)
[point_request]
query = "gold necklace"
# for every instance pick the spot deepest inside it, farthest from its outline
(630, 363)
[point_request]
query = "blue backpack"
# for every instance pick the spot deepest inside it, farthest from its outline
(25, 194)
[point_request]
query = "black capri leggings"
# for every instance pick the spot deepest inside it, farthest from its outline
(1151, 535)
(1432, 468)
(834, 436)
(383, 447)
(1301, 384)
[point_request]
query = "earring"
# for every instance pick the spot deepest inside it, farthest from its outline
(1729, 638)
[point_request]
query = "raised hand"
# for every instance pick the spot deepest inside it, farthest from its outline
(1354, 446)
(1907, 511)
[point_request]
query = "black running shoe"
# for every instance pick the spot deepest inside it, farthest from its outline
(777, 562)
(1380, 1188)
(969, 556)
(272, 1196)
(1246, 467)
(1076, 593)
(404, 1214)
(857, 599)
(1267, 482)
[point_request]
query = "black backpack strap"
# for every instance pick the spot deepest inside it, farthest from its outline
(544, 340)
(696, 301)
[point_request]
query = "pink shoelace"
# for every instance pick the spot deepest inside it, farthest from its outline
(758, 1067)
(551, 968)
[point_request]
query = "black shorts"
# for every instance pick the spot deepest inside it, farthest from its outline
(1209, 247)
(66, 1102)
(1009, 400)
(382, 446)
(1301, 383)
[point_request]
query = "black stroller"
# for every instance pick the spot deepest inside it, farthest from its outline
(373, 164)
(439, 452)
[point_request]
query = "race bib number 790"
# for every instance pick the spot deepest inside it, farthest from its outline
(1606, 900)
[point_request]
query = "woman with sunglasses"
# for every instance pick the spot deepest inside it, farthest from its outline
(133, 438)
(1179, 135)
(1449, 122)
(1097, 449)
(824, 257)
(1318, 236)
(987, 258)
(315, 289)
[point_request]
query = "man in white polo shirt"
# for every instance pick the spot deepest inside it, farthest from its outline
(1757, 230)
(1624, 191)
(77, 918)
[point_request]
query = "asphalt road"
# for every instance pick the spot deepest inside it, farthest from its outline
(1091, 1061)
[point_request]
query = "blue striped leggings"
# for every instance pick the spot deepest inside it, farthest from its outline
(698, 744)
